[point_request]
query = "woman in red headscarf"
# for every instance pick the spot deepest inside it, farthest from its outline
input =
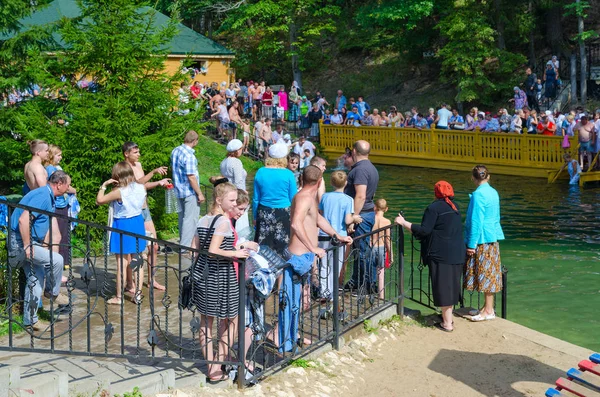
(442, 249)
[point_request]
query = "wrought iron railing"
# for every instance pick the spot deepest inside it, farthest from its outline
(149, 322)
(419, 285)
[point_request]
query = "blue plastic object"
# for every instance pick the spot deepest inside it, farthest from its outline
(580, 377)
(595, 358)
(553, 393)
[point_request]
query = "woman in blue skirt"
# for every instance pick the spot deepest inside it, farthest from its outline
(126, 199)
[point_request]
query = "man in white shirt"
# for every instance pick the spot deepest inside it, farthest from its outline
(441, 121)
(302, 145)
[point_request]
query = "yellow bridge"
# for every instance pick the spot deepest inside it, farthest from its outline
(509, 154)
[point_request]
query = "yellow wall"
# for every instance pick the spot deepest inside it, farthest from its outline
(217, 69)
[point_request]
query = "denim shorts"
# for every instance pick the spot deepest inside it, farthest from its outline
(585, 147)
(146, 214)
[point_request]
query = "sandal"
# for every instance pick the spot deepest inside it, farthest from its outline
(482, 317)
(115, 301)
(442, 328)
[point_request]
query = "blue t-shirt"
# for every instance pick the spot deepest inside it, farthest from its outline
(335, 207)
(43, 199)
(274, 188)
(61, 201)
(443, 115)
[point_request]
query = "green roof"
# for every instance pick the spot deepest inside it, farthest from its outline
(186, 42)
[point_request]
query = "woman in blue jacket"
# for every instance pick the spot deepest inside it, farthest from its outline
(482, 232)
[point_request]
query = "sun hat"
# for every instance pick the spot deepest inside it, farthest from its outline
(234, 145)
(278, 151)
(548, 112)
(287, 137)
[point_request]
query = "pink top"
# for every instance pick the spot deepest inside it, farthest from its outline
(283, 99)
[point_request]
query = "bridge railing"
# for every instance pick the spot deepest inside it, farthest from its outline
(508, 149)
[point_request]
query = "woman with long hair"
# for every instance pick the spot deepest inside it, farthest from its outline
(127, 199)
(215, 292)
(482, 232)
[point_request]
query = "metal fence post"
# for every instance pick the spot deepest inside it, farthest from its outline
(504, 292)
(241, 373)
(336, 297)
(400, 306)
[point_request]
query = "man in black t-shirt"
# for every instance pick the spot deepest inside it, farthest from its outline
(530, 83)
(362, 185)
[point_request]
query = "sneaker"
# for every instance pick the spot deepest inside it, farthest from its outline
(60, 299)
(41, 325)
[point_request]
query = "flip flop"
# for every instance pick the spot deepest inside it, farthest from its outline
(442, 328)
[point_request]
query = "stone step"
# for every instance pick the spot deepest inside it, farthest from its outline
(47, 384)
(10, 381)
(91, 376)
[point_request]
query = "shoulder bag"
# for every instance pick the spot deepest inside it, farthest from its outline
(186, 285)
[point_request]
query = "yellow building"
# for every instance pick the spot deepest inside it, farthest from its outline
(211, 59)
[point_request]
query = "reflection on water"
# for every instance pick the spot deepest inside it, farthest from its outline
(551, 247)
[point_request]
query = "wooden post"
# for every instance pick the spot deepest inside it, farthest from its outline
(434, 142)
(525, 149)
(477, 145)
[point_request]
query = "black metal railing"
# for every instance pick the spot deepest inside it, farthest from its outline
(278, 323)
(419, 286)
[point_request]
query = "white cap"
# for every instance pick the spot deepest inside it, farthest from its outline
(234, 145)
(287, 137)
(278, 151)
(548, 113)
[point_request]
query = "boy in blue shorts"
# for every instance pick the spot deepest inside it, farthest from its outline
(338, 209)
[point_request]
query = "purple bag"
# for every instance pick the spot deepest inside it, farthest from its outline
(565, 143)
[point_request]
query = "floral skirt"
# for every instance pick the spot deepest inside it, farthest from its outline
(483, 271)
(273, 227)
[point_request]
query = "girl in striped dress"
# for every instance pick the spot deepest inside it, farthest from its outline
(215, 291)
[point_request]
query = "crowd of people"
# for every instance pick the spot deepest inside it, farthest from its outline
(294, 215)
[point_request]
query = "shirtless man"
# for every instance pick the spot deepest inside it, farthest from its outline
(320, 163)
(256, 101)
(585, 129)
(131, 152)
(215, 100)
(304, 246)
(35, 173)
(266, 136)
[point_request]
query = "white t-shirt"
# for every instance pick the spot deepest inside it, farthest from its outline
(443, 115)
(307, 145)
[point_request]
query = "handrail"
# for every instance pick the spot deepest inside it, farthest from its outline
(528, 151)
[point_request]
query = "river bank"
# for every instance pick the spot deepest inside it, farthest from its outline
(410, 358)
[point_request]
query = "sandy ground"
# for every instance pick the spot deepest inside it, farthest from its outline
(496, 358)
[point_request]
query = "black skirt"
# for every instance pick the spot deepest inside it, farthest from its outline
(273, 227)
(445, 283)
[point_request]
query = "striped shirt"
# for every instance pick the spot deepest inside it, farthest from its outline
(184, 163)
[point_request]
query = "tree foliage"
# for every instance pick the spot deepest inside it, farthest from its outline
(476, 66)
(114, 44)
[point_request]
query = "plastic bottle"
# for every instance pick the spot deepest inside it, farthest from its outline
(171, 201)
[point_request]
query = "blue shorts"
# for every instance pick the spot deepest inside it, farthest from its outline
(585, 147)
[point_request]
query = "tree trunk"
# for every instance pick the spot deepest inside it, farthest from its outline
(554, 33)
(499, 24)
(582, 59)
(573, 78)
(532, 58)
(210, 25)
(296, 72)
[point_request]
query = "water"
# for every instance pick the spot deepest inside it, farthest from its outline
(551, 249)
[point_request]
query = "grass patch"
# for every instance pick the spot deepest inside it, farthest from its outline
(15, 327)
(369, 327)
(303, 363)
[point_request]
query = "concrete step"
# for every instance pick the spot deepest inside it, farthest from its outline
(10, 381)
(150, 384)
(47, 384)
(93, 387)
